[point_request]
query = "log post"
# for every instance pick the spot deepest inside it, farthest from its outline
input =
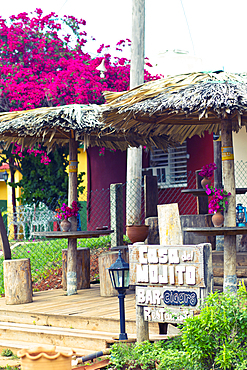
(72, 243)
(82, 271)
(17, 281)
(230, 277)
(105, 261)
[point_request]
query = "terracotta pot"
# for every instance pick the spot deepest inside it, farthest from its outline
(45, 358)
(205, 181)
(65, 225)
(218, 219)
(137, 233)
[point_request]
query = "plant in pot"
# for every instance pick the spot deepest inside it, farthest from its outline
(64, 213)
(207, 171)
(136, 231)
(217, 204)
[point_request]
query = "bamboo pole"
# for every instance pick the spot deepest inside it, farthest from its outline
(72, 243)
(230, 277)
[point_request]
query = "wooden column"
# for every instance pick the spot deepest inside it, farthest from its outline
(72, 243)
(134, 155)
(116, 211)
(230, 277)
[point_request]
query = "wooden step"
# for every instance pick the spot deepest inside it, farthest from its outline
(71, 338)
(69, 321)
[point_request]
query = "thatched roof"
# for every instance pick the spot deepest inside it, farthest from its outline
(180, 106)
(56, 125)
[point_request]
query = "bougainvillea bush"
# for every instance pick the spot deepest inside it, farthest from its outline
(42, 65)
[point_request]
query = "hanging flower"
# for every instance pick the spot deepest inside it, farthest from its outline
(208, 170)
(66, 212)
(218, 201)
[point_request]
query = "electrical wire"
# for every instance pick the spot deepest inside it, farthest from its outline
(181, 1)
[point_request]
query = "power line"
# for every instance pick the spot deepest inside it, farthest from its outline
(62, 6)
(181, 1)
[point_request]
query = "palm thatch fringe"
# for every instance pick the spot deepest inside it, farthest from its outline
(54, 126)
(181, 106)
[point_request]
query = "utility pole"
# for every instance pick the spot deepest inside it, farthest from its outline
(134, 155)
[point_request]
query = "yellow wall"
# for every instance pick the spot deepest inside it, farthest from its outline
(82, 167)
(8, 190)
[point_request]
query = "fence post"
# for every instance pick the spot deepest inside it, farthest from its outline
(116, 209)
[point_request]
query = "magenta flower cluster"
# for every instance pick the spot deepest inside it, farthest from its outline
(41, 66)
(218, 202)
(18, 150)
(208, 170)
(66, 212)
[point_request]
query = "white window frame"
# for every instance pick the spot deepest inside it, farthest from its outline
(173, 164)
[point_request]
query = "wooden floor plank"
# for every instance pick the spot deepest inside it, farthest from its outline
(87, 303)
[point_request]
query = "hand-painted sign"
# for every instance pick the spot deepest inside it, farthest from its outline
(171, 281)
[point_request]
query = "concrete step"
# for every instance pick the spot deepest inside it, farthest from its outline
(72, 322)
(90, 340)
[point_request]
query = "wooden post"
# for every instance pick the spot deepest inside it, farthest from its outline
(116, 208)
(17, 281)
(202, 202)
(82, 271)
(134, 155)
(230, 277)
(72, 243)
(150, 196)
(218, 162)
(4, 242)
(142, 332)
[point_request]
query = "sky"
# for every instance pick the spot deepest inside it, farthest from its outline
(214, 30)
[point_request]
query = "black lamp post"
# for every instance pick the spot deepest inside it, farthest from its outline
(119, 274)
(5, 176)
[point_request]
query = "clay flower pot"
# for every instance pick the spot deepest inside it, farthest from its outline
(137, 233)
(205, 181)
(218, 219)
(65, 225)
(45, 358)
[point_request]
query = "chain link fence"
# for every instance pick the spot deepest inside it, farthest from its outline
(46, 254)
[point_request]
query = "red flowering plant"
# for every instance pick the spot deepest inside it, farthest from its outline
(65, 212)
(218, 202)
(208, 170)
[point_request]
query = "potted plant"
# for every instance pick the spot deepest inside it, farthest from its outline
(64, 213)
(217, 204)
(136, 231)
(207, 171)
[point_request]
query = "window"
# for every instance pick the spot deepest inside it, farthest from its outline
(170, 167)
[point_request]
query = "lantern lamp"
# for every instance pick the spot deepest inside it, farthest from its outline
(5, 176)
(119, 274)
(241, 215)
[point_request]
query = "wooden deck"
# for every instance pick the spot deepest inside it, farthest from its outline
(85, 321)
(87, 303)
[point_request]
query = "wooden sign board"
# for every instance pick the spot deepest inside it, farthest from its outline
(171, 281)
